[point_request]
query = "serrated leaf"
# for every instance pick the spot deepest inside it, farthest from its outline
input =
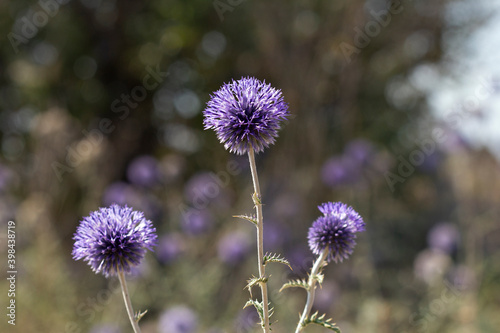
(321, 321)
(270, 257)
(249, 218)
(254, 281)
(258, 306)
(260, 309)
(295, 283)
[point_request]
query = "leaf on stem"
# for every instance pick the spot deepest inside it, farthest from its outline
(258, 306)
(254, 281)
(295, 283)
(249, 218)
(326, 323)
(270, 257)
(260, 309)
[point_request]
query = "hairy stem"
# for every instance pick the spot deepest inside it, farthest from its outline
(311, 289)
(128, 304)
(260, 238)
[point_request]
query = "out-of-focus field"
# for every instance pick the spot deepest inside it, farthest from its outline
(101, 101)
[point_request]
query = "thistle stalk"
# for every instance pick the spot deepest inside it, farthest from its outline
(260, 239)
(311, 290)
(128, 303)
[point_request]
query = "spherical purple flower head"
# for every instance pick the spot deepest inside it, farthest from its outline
(112, 239)
(335, 230)
(246, 114)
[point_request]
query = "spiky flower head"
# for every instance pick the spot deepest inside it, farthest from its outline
(335, 230)
(113, 239)
(246, 114)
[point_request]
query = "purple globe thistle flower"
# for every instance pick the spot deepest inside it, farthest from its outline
(335, 230)
(113, 239)
(246, 114)
(178, 319)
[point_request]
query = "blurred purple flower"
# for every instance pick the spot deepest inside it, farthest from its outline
(246, 114)
(233, 247)
(113, 239)
(360, 150)
(170, 247)
(196, 222)
(144, 171)
(201, 189)
(178, 319)
(443, 237)
(335, 230)
(340, 171)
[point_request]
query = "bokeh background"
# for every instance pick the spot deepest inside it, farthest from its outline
(394, 112)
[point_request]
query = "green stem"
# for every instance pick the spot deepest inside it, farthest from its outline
(128, 304)
(260, 239)
(311, 289)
